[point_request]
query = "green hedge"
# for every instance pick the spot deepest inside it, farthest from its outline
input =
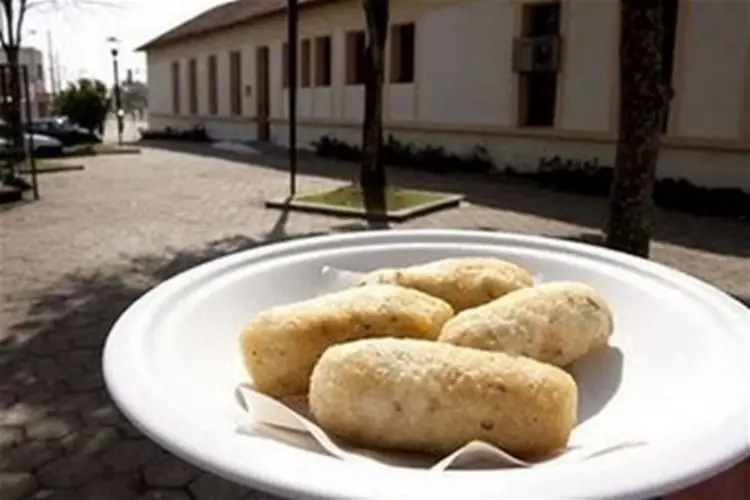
(583, 177)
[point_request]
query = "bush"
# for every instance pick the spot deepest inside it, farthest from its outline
(584, 177)
(576, 176)
(195, 134)
(85, 103)
(429, 158)
(588, 177)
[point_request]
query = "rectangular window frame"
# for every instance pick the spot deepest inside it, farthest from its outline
(212, 71)
(192, 72)
(235, 83)
(305, 64)
(176, 84)
(356, 43)
(403, 53)
(323, 61)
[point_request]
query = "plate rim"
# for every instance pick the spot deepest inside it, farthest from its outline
(162, 423)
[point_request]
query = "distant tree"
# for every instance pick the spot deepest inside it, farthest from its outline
(372, 172)
(11, 31)
(12, 21)
(85, 103)
(643, 100)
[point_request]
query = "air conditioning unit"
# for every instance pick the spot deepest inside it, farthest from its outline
(533, 54)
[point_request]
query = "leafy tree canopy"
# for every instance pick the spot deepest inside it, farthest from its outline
(85, 103)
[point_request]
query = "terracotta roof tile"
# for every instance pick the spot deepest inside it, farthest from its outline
(223, 17)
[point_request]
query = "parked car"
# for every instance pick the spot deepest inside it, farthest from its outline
(44, 146)
(64, 131)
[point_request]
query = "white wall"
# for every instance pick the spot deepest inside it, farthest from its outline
(466, 92)
(589, 65)
(33, 59)
(464, 69)
(717, 38)
(159, 84)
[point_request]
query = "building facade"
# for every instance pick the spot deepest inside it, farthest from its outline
(461, 74)
(33, 60)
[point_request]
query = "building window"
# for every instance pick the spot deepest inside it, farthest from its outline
(355, 57)
(285, 64)
(193, 86)
(323, 61)
(402, 53)
(235, 83)
(176, 88)
(542, 19)
(39, 72)
(538, 89)
(305, 66)
(213, 91)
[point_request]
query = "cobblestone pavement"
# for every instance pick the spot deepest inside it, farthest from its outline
(71, 263)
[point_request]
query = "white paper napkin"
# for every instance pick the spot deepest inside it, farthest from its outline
(292, 415)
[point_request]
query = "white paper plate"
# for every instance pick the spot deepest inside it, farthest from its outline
(171, 364)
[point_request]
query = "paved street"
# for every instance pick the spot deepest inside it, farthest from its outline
(99, 238)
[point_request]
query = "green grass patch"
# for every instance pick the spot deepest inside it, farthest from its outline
(100, 149)
(347, 201)
(351, 197)
(50, 166)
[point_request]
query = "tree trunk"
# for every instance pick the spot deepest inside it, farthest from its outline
(14, 106)
(372, 174)
(643, 99)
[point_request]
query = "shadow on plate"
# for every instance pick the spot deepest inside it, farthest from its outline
(370, 457)
(598, 376)
(306, 442)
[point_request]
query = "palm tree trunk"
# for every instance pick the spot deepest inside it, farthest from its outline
(643, 99)
(372, 172)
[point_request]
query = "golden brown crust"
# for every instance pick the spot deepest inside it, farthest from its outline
(555, 323)
(462, 282)
(423, 396)
(282, 344)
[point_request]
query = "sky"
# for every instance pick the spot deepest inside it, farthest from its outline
(79, 29)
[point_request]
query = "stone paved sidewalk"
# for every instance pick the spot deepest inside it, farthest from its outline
(71, 263)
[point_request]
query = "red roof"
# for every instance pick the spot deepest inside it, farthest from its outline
(223, 17)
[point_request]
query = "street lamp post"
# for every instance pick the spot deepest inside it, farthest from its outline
(292, 38)
(118, 97)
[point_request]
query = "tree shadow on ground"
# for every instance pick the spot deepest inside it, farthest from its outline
(598, 239)
(715, 235)
(56, 419)
(4, 207)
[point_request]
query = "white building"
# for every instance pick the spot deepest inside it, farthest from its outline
(453, 79)
(33, 59)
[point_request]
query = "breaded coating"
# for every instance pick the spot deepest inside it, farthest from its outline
(555, 323)
(462, 282)
(281, 345)
(414, 395)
